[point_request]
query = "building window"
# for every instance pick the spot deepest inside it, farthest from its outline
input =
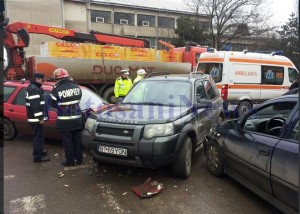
(100, 16)
(124, 18)
(146, 21)
(165, 22)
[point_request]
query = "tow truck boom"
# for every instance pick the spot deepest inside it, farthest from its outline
(75, 36)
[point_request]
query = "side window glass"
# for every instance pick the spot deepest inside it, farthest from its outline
(7, 92)
(209, 90)
(200, 92)
(272, 75)
(20, 98)
(295, 133)
(293, 74)
(270, 119)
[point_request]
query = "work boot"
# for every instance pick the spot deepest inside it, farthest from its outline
(42, 159)
(45, 152)
(66, 163)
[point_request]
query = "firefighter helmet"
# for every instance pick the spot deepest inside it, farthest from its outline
(60, 73)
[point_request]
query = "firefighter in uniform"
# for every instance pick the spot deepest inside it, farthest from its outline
(123, 84)
(140, 75)
(36, 116)
(66, 96)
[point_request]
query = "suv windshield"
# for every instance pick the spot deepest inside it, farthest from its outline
(213, 69)
(166, 92)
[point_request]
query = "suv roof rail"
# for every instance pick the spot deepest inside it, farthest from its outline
(159, 73)
(195, 73)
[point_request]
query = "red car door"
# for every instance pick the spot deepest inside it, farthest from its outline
(17, 111)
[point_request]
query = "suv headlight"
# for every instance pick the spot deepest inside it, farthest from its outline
(156, 130)
(89, 124)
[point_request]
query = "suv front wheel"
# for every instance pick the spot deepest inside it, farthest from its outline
(183, 164)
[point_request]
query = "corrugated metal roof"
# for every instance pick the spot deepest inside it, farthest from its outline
(164, 5)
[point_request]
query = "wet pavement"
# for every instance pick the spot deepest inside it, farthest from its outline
(49, 187)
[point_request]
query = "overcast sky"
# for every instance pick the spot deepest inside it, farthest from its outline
(281, 9)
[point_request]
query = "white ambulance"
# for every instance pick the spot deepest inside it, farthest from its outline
(245, 78)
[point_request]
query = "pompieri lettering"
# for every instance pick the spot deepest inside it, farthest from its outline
(69, 92)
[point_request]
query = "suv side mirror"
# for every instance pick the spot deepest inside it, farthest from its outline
(205, 104)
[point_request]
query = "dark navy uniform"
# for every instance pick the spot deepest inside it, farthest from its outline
(66, 96)
(36, 115)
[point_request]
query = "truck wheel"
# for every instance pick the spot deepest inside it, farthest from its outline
(244, 107)
(183, 164)
(9, 130)
(214, 162)
(109, 95)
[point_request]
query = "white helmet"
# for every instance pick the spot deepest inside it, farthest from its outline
(141, 71)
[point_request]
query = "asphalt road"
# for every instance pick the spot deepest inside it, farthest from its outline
(35, 188)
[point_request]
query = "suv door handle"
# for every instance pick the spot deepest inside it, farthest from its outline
(11, 110)
(263, 150)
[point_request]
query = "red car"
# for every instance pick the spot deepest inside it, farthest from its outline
(15, 117)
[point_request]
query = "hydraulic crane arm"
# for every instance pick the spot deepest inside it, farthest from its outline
(14, 50)
(74, 36)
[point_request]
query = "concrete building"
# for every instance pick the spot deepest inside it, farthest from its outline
(151, 19)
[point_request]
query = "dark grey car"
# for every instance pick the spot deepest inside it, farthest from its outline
(261, 151)
(162, 121)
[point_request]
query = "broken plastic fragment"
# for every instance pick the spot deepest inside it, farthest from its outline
(148, 188)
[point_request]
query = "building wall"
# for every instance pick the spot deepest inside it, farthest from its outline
(33, 11)
(81, 22)
(76, 15)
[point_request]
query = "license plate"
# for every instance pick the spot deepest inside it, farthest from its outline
(112, 150)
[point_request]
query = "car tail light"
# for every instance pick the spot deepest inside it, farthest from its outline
(224, 91)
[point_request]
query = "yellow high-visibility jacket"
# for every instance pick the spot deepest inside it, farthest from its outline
(138, 78)
(122, 86)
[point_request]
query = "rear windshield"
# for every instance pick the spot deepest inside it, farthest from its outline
(213, 69)
(8, 90)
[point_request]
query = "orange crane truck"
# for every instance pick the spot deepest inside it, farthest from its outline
(97, 66)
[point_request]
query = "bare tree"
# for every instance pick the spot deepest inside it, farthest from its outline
(233, 19)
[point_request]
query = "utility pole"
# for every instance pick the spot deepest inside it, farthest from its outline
(62, 13)
(88, 15)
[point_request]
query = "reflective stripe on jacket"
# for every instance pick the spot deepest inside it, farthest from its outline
(35, 103)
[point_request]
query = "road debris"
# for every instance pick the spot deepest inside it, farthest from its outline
(67, 185)
(61, 174)
(148, 188)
